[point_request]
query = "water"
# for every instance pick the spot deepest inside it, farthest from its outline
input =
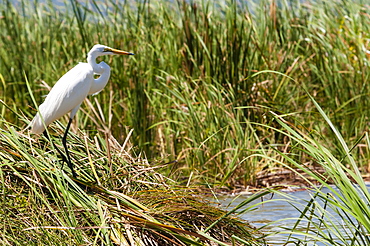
(274, 212)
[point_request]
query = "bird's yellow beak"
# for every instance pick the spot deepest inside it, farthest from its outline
(120, 52)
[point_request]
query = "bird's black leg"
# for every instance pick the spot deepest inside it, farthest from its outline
(65, 157)
(64, 142)
(56, 147)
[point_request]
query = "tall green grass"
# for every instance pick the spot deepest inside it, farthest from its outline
(189, 93)
(336, 215)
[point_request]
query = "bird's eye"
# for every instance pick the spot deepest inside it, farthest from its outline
(106, 50)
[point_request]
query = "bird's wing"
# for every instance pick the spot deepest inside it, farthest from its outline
(67, 94)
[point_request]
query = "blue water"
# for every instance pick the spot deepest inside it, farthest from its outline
(271, 213)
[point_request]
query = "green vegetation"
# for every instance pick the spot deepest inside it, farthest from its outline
(43, 205)
(338, 216)
(214, 95)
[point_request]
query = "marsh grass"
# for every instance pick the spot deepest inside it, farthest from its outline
(189, 93)
(117, 198)
(337, 215)
(340, 216)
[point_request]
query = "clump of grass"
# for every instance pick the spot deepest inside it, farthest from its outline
(117, 198)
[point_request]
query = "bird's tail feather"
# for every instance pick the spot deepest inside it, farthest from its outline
(37, 126)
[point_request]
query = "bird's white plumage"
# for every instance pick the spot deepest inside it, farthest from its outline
(73, 87)
(68, 93)
(100, 82)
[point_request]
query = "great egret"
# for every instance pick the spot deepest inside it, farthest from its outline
(70, 91)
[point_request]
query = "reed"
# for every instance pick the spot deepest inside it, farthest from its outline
(189, 93)
(337, 215)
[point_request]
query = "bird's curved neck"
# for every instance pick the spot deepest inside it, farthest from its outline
(99, 83)
(91, 59)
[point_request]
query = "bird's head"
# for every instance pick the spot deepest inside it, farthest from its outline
(100, 50)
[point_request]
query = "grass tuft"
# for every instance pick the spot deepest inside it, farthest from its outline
(117, 200)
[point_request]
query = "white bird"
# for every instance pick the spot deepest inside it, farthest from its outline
(71, 90)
